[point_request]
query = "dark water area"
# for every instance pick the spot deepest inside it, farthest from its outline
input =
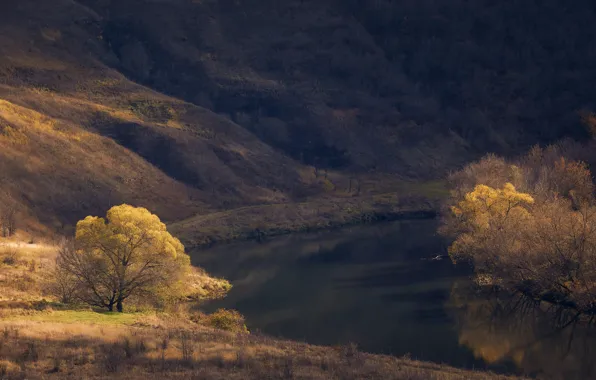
(375, 286)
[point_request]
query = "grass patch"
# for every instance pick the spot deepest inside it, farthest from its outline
(431, 189)
(153, 110)
(178, 352)
(82, 316)
(254, 222)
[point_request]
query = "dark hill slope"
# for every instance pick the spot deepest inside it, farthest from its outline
(414, 86)
(193, 106)
(304, 76)
(76, 136)
(504, 74)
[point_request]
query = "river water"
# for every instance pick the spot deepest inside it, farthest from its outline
(374, 286)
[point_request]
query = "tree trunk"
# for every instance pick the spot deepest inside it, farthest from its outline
(119, 305)
(111, 307)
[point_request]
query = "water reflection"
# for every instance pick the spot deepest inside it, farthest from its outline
(539, 339)
(366, 285)
(369, 285)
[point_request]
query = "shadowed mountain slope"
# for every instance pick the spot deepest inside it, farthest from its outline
(189, 107)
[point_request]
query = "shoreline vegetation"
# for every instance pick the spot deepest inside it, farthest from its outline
(529, 225)
(262, 221)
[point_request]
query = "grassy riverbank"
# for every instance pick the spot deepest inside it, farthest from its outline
(164, 346)
(254, 222)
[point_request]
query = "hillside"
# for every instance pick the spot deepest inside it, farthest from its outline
(192, 107)
(67, 345)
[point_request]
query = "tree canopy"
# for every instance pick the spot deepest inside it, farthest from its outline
(486, 205)
(540, 240)
(128, 254)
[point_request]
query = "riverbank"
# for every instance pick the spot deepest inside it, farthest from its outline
(258, 222)
(44, 339)
(157, 346)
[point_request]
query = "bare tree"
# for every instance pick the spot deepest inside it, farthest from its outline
(64, 285)
(8, 216)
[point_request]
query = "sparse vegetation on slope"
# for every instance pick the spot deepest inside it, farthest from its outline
(163, 349)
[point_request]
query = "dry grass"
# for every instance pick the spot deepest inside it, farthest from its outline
(50, 350)
(23, 269)
(276, 219)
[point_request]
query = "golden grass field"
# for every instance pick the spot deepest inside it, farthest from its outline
(164, 347)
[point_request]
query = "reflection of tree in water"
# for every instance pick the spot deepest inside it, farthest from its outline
(540, 339)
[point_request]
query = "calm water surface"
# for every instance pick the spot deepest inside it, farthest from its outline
(372, 285)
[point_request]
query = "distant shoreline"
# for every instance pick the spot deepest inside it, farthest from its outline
(261, 222)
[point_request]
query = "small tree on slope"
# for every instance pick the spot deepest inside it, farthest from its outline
(130, 253)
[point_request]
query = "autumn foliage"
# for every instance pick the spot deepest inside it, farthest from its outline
(129, 254)
(538, 238)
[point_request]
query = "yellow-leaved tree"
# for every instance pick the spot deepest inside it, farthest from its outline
(540, 241)
(128, 254)
(485, 206)
(489, 221)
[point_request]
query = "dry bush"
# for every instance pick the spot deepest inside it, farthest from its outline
(24, 283)
(134, 346)
(491, 170)
(224, 319)
(9, 369)
(187, 346)
(8, 215)
(560, 259)
(31, 352)
(547, 173)
(57, 363)
(543, 172)
(113, 357)
(350, 353)
(61, 283)
(10, 256)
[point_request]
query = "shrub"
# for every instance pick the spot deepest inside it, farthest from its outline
(62, 284)
(31, 353)
(198, 317)
(24, 283)
(57, 363)
(228, 320)
(8, 369)
(113, 356)
(133, 347)
(187, 347)
(11, 256)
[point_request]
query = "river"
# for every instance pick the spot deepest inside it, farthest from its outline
(375, 286)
